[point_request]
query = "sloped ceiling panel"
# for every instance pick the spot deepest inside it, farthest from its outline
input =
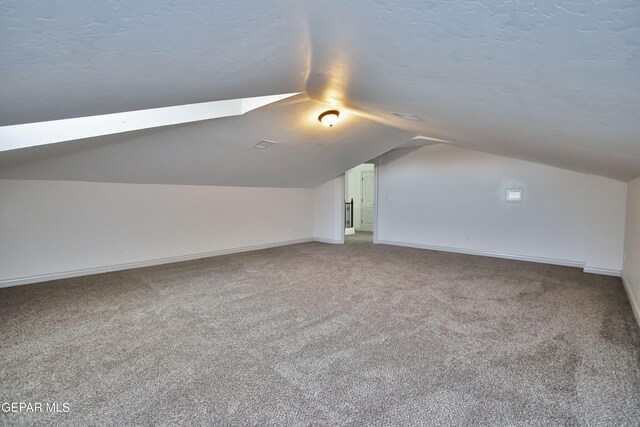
(217, 152)
(555, 82)
(64, 59)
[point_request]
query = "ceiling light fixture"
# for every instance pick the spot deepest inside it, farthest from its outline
(329, 118)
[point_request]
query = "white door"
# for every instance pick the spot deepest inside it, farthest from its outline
(368, 185)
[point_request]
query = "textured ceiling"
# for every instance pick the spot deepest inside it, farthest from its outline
(71, 58)
(552, 82)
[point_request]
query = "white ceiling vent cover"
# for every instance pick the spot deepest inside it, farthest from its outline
(264, 144)
(405, 116)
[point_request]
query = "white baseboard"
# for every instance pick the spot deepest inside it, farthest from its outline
(635, 305)
(127, 266)
(603, 271)
(541, 260)
(349, 231)
(331, 241)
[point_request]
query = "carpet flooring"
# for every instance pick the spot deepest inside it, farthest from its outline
(319, 334)
(359, 237)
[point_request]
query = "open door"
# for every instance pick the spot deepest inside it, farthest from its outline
(359, 202)
(367, 200)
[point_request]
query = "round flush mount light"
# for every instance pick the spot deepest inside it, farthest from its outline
(329, 118)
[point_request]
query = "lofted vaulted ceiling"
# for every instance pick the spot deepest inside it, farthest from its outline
(553, 82)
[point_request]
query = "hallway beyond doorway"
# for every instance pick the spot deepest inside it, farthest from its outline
(359, 195)
(359, 237)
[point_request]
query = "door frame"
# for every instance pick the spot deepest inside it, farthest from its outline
(375, 199)
(374, 162)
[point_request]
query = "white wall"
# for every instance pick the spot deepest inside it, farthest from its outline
(441, 196)
(605, 209)
(329, 211)
(51, 228)
(354, 190)
(631, 268)
(437, 196)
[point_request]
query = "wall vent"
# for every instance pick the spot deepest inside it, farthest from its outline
(513, 195)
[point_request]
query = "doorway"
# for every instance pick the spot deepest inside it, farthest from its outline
(360, 184)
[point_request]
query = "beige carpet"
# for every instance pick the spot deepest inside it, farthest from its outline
(318, 334)
(359, 237)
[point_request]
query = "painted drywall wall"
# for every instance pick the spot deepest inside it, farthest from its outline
(49, 228)
(329, 211)
(631, 267)
(605, 209)
(441, 196)
(353, 189)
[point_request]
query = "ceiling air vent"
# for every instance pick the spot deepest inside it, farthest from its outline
(405, 116)
(264, 144)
